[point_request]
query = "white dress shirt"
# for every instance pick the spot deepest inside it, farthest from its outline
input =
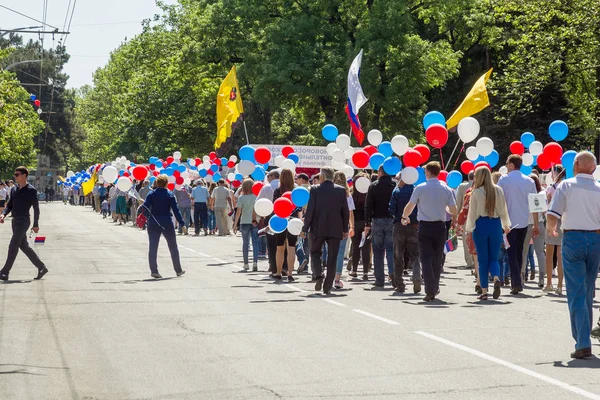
(577, 203)
(517, 188)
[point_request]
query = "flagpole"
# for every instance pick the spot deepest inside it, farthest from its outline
(453, 151)
(246, 130)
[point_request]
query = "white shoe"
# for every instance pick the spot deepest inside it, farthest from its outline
(558, 291)
(246, 267)
(548, 289)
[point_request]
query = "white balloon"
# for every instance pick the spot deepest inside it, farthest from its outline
(338, 156)
(205, 159)
(410, 175)
(206, 165)
(109, 174)
(185, 174)
(233, 158)
(472, 153)
(187, 181)
(331, 147)
(503, 170)
(343, 141)
(263, 207)
(100, 180)
(177, 155)
(348, 171)
(171, 179)
(362, 184)
(246, 167)
(208, 178)
(278, 160)
(231, 176)
(596, 173)
(485, 146)
(348, 153)
(124, 184)
(375, 137)
(338, 166)
(468, 129)
(527, 160)
(192, 162)
(536, 148)
(400, 144)
(295, 226)
(288, 164)
(70, 174)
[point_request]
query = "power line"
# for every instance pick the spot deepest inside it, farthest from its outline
(27, 16)
(70, 20)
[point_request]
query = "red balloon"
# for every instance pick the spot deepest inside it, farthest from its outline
(152, 167)
(483, 164)
(170, 159)
(210, 172)
(553, 152)
(126, 174)
(37, 103)
(466, 167)
(217, 161)
(171, 186)
(155, 173)
(370, 150)
(236, 184)
(198, 162)
(360, 159)
(262, 155)
(283, 207)
(179, 180)
(285, 151)
(176, 173)
(165, 164)
(517, 147)
(437, 135)
(287, 195)
(140, 173)
(412, 158)
(257, 187)
(212, 155)
(443, 175)
(230, 164)
(424, 151)
(543, 161)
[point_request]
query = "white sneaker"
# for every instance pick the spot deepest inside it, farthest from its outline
(246, 267)
(548, 289)
(338, 285)
(558, 291)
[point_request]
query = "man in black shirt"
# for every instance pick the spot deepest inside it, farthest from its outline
(22, 197)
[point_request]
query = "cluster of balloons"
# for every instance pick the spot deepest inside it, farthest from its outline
(36, 102)
(282, 209)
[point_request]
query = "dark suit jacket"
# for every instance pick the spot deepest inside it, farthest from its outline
(327, 213)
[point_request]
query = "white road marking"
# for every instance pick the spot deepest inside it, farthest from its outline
(514, 367)
(297, 289)
(219, 260)
(336, 303)
(377, 317)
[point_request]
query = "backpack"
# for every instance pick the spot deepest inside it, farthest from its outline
(462, 216)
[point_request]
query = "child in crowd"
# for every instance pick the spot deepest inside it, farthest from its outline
(105, 209)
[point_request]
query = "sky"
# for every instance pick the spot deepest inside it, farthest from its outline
(97, 28)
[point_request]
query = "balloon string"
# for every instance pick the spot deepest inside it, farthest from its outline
(442, 158)
(458, 157)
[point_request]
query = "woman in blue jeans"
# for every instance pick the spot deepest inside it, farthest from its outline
(487, 218)
(340, 179)
(248, 224)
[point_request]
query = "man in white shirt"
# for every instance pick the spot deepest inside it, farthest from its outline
(577, 203)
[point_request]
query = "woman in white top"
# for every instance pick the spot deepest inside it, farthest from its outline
(3, 196)
(340, 179)
(553, 243)
(487, 217)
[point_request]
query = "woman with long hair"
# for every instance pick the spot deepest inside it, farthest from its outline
(248, 223)
(539, 241)
(340, 179)
(487, 218)
(285, 240)
(554, 243)
(212, 220)
(359, 253)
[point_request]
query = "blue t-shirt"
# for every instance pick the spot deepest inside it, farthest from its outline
(102, 191)
(200, 194)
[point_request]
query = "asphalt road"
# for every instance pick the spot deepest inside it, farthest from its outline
(97, 327)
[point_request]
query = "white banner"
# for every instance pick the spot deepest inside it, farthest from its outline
(310, 156)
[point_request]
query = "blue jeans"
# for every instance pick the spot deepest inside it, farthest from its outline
(303, 253)
(185, 214)
(382, 238)
(262, 245)
(212, 221)
(249, 231)
(504, 265)
(339, 267)
(530, 260)
(488, 239)
(580, 262)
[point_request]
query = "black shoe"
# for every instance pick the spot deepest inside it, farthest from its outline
(429, 297)
(496, 293)
(319, 284)
(401, 289)
(277, 277)
(514, 291)
(417, 287)
(478, 289)
(180, 273)
(40, 274)
(582, 353)
(4, 277)
(353, 274)
(290, 278)
(520, 289)
(506, 281)
(379, 285)
(365, 277)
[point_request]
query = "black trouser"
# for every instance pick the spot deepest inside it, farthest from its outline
(20, 226)
(516, 240)
(358, 253)
(154, 238)
(406, 247)
(432, 237)
(200, 214)
(316, 250)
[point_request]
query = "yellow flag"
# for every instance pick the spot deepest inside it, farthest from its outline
(229, 108)
(476, 100)
(88, 186)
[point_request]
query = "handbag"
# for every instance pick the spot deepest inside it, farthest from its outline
(141, 220)
(464, 213)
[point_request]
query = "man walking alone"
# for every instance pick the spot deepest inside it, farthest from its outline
(23, 196)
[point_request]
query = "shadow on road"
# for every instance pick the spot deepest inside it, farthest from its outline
(14, 282)
(275, 301)
(589, 363)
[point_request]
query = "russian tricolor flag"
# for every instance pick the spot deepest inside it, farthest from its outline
(40, 240)
(356, 98)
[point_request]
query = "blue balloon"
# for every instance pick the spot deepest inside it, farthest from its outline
(433, 117)
(422, 177)
(376, 160)
(527, 138)
(181, 168)
(392, 166)
(214, 168)
(216, 177)
(454, 179)
(558, 130)
(33, 97)
(300, 196)
(152, 160)
(294, 157)
(121, 172)
(169, 171)
(202, 173)
(194, 168)
(239, 177)
(567, 161)
(278, 224)
(158, 163)
(258, 174)
(246, 153)
(152, 179)
(224, 161)
(525, 170)
(534, 161)
(265, 166)
(492, 159)
(385, 148)
(329, 132)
